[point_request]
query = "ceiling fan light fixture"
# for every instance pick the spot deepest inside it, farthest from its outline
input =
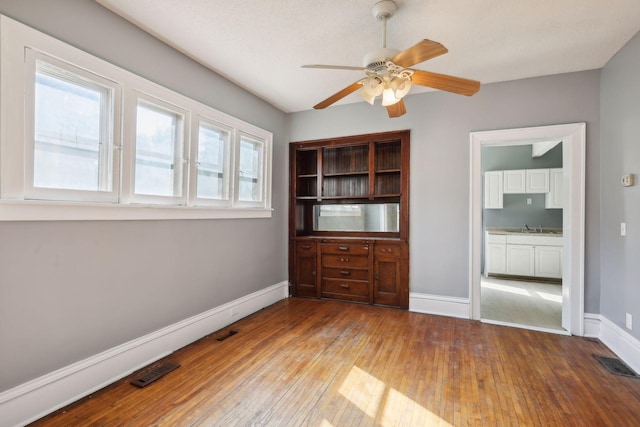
(400, 86)
(388, 97)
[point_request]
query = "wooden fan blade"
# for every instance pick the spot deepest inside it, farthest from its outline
(334, 67)
(422, 51)
(444, 82)
(397, 109)
(338, 96)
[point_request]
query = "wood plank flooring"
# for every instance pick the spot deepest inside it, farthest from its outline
(321, 363)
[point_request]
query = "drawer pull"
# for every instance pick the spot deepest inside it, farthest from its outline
(345, 272)
(305, 246)
(344, 286)
(344, 259)
(343, 248)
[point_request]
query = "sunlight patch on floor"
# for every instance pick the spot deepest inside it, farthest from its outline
(368, 393)
(550, 297)
(506, 288)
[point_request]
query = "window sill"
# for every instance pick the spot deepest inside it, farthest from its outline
(37, 210)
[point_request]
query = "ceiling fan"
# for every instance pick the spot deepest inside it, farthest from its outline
(388, 73)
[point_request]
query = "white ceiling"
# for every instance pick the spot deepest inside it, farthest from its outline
(261, 44)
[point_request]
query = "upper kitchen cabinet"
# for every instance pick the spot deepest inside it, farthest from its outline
(526, 181)
(553, 199)
(493, 189)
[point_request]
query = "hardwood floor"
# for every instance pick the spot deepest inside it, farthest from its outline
(321, 363)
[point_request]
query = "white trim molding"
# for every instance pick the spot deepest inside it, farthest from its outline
(32, 400)
(622, 343)
(573, 136)
(592, 325)
(439, 305)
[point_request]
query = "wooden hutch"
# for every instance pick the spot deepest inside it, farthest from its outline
(349, 219)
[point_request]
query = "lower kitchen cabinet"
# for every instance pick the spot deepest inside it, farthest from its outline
(548, 261)
(537, 255)
(520, 260)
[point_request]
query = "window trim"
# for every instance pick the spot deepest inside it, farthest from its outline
(31, 192)
(14, 38)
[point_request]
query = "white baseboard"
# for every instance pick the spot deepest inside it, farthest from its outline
(32, 400)
(592, 325)
(622, 343)
(442, 306)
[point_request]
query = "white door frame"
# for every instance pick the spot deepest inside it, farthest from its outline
(573, 137)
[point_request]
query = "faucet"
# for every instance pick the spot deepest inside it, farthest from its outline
(527, 227)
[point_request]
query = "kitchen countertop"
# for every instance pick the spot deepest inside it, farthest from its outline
(518, 230)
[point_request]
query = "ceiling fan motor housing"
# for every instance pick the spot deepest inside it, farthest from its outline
(384, 10)
(378, 58)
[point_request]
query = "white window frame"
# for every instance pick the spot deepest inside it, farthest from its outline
(228, 162)
(113, 138)
(261, 173)
(182, 132)
(15, 39)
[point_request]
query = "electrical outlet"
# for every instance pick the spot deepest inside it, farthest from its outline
(628, 180)
(629, 321)
(234, 311)
(623, 228)
(529, 201)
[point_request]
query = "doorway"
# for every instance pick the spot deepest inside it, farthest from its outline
(573, 137)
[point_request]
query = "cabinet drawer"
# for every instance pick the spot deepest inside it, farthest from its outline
(387, 249)
(306, 247)
(345, 248)
(345, 287)
(339, 261)
(496, 238)
(345, 274)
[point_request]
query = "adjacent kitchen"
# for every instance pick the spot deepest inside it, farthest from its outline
(521, 283)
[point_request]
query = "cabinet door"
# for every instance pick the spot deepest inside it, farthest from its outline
(548, 261)
(553, 199)
(515, 181)
(390, 267)
(493, 192)
(537, 181)
(306, 264)
(520, 260)
(496, 258)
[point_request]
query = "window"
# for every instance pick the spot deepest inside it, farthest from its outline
(250, 172)
(158, 153)
(212, 163)
(77, 128)
(70, 152)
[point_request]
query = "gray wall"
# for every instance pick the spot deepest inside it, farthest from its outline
(515, 211)
(620, 116)
(69, 290)
(440, 124)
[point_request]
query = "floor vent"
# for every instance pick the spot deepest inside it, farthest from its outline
(224, 337)
(616, 366)
(154, 375)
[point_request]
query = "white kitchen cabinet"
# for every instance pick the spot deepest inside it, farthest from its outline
(553, 199)
(495, 256)
(515, 181)
(532, 255)
(523, 181)
(537, 181)
(520, 260)
(493, 193)
(548, 261)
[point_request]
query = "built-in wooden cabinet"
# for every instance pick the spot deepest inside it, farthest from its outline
(349, 219)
